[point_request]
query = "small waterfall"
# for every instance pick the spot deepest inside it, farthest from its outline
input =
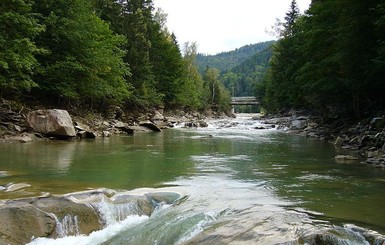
(111, 213)
(68, 226)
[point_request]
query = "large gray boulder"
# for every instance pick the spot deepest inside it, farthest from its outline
(79, 213)
(150, 125)
(57, 123)
(298, 124)
(71, 213)
(20, 222)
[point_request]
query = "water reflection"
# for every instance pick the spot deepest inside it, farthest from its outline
(42, 156)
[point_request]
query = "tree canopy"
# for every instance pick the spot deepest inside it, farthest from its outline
(95, 54)
(329, 60)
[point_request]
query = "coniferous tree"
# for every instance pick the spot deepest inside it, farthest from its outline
(377, 85)
(137, 20)
(166, 61)
(282, 90)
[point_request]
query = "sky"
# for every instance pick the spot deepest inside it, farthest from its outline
(224, 25)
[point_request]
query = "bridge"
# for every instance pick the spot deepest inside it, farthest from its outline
(244, 101)
(235, 101)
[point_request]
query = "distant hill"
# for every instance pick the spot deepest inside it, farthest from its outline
(248, 74)
(225, 61)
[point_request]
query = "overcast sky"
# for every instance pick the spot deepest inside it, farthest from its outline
(224, 25)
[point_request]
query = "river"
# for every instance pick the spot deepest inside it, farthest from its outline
(238, 185)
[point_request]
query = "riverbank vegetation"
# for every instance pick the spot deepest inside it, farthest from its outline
(102, 53)
(330, 60)
(94, 54)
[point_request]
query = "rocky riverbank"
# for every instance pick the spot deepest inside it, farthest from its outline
(355, 140)
(25, 125)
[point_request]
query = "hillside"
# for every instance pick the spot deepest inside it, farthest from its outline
(225, 61)
(248, 74)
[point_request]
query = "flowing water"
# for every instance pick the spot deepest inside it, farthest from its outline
(238, 185)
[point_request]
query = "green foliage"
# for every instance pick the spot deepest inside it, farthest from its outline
(84, 61)
(242, 70)
(250, 73)
(226, 61)
(166, 61)
(216, 93)
(18, 29)
(98, 52)
(329, 60)
(191, 95)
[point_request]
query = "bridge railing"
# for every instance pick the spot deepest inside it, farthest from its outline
(244, 101)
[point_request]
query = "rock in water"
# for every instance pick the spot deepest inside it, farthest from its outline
(20, 222)
(80, 215)
(151, 126)
(16, 187)
(57, 123)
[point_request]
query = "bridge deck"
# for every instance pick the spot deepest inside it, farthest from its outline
(244, 101)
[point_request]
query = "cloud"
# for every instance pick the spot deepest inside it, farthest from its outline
(223, 25)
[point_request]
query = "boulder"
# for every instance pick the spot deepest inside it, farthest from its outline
(345, 158)
(17, 128)
(298, 124)
(78, 213)
(124, 127)
(134, 205)
(106, 134)
(190, 125)
(163, 197)
(202, 124)
(158, 116)
(373, 154)
(81, 215)
(15, 187)
(151, 126)
(20, 222)
(56, 123)
(172, 119)
(81, 134)
(339, 141)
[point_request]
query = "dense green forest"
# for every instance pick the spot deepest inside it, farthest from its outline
(241, 70)
(97, 53)
(331, 60)
(226, 61)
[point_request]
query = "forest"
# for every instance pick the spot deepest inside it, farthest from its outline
(330, 60)
(242, 69)
(97, 53)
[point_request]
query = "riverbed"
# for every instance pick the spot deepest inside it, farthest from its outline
(238, 185)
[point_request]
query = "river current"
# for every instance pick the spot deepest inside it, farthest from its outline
(238, 185)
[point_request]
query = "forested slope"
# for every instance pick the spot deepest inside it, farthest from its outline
(244, 78)
(225, 61)
(330, 60)
(97, 53)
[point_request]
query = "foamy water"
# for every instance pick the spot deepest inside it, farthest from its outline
(95, 238)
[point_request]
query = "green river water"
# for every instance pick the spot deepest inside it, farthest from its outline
(241, 185)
